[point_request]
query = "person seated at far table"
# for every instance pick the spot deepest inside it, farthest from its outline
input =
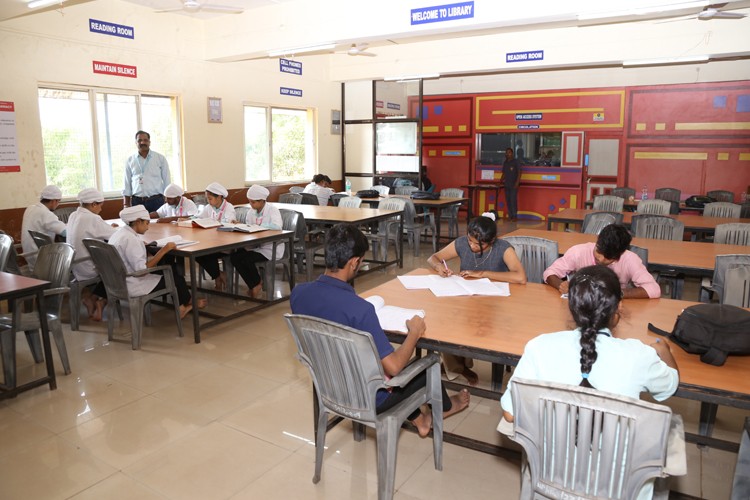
(320, 187)
(218, 209)
(592, 355)
(40, 217)
(262, 214)
(175, 207)
(331, 297)
(610, 250)
(132, 249)
(481, 255)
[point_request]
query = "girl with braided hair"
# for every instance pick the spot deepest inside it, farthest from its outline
(591, 355)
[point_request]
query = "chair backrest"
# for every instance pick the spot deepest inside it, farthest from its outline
(294, 198)
(735, 233)
(669, 194)
(745, 210)
(6, 244)
(296, 189)
(640, 252)
(383, 190)
(110, 266)
(343, 362)
(657, 227)
(240, 214)
(406, 190)
(594, 222)
(582, 443)
(724, 263)
(40, 239)
(624, 192)
(737, 287)
(535, 254)
(656, 207)
(309, 199)
(392, 204)
(452, 193)
(64, 213)
(609, 203)
(295, 222)
(721, 195)
(350, 202)
(721, 209)
(336, 198)
(200, 200)
(53, 264)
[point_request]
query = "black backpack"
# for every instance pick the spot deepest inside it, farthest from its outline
(711, 330)
(424, 195)
(696, 201)
(368, 193)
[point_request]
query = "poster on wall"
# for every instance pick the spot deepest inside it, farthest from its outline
(9, 161)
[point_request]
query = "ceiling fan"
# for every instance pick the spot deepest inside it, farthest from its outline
(709, 13)
(360, 49)
(193, 6)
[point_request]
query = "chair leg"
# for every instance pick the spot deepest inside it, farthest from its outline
(55, 329)
(35, 345)
(136, 324)
(113, 304)
(8, 347)
(387, 439)
(74, 302)
(320, 442)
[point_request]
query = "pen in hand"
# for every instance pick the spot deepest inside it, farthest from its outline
(447, 271)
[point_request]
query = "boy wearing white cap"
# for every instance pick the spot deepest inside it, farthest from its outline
(86, 223)
(133, 252)
(264, 215)
(39, 217)
(175, 206)
(221, 210)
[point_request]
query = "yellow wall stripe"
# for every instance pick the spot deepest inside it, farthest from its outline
(713, 126)
(744, 156)
(722, 156)
(555, 110)
(431, 129)
(672, 155)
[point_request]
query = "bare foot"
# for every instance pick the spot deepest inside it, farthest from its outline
(201, 303)
(90, 304)
(423, 423)
(184, 310)
(98, 310)
(459, 402)
(220, 283)
(470, 376)
(257, 290)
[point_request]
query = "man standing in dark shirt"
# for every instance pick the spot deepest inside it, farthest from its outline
(512, 179)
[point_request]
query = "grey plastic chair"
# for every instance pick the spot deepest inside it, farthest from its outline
(669, 194)
(737, 287)
(53, 265)
(309, 199)
(609, 203)
(535, 254)
(623, 192)
(347, 373)
(336, 198)
(406, 190)
(350, 202)
(735, 233)
(296, 189)
(721, 195)
(76, 289)
(745, 210)
(593, 223)
(721, 265)
(63, 213)
(382, 190)
(6, 244)
(640, 252)
(293, 198)
(240, 213)
(450, 214)
(289, 222)
(414, 228)
(113, 273)
(306, 245)
(583, 443)
(387, 230)
(200, 200)
(40, 239)
(721, 209)
(741, 481)
(654, 207)
(657, 227)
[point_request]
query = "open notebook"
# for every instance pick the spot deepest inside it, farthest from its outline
(177, 239)
(454, 286)
(204, 223)
(392, 318)
(243, 228)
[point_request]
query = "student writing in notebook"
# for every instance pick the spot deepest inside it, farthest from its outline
(482, 255)
(331, 297)
(218, 209)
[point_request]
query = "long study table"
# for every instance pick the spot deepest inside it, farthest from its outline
(437, 205)
(496, 329)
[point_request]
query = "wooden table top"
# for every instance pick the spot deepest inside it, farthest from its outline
(13, 285)
(694, 255)
(209, 239)
(505, 324)
(632, 205)
(439, 203)
(331, 214)
(693, 222)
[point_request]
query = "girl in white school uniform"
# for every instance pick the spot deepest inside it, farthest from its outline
(176, 206)
(218, 209)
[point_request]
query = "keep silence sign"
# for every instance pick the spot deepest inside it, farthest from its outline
(292, 92)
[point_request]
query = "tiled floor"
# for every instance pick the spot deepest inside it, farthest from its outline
(231, 418)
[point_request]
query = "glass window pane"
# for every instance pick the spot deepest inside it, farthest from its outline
(256, 144)
(67, 136)
(159, 118)
(289, 144)
(117, 122)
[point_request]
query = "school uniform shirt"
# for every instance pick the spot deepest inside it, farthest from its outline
(492, 258)
(37, 217)
(132, 249)
(323, 193)
(225, 212)
(83, 223)
(147, 176)
(269, 217)
(184, 208)
(335, 300)
(629, 268)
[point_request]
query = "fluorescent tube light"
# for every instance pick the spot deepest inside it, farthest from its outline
(301, 50)
(411, 77)
(642, 11)
(42, 3)
(660, 61)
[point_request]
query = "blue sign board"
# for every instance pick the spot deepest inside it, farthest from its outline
(442, 13)
(289, 66)
(528, 116)
(111, 29)
(528, 127)
(288, 91)
(393, 105)
(532, 55)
